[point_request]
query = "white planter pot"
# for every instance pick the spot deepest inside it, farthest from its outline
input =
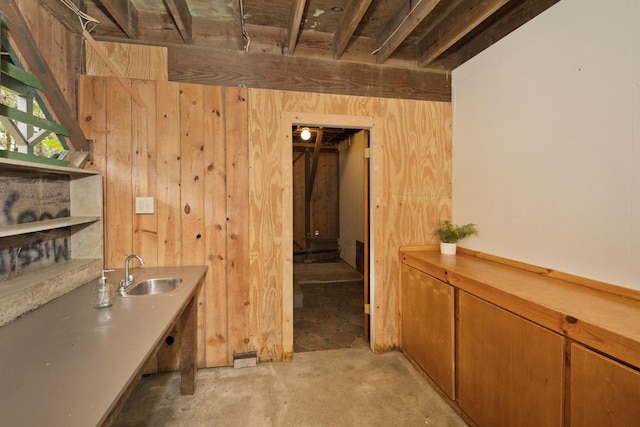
(448, 248)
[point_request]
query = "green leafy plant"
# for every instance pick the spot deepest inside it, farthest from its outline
(451, 233)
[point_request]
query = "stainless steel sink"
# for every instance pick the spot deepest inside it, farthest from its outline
(155, 286)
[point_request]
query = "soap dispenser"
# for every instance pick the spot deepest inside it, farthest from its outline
(104, 294)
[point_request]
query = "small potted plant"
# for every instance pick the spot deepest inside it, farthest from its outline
(449, 235)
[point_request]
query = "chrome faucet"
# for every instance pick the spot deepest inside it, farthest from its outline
(128, 278)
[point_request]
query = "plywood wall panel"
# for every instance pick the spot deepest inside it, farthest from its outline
(133, 61)
(413, 169)
(411, 144)
(266, 183)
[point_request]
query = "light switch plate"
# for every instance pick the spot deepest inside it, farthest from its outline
(144, 205)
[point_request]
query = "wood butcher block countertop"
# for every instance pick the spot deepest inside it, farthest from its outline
(601, 316)
(68, 364)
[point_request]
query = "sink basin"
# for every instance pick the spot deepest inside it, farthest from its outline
(155, 286)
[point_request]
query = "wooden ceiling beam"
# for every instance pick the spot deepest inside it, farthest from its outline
(400, 26)
(349, 21)
(512, 19)
(210, 66)
(181, 15)
(22, 40)
(66, 16)
(295, 21)
(460, 22)
(123, 12)
(238, 23)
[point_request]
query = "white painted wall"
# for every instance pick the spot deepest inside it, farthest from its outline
(546, 142)
(351, 197)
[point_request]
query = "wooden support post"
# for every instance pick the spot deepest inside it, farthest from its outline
(188, 362)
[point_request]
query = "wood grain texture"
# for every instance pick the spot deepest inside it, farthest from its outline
(600, 320)
(324, 198)
(427, 310)
(215, 202)
(168, 182)
(59, 46)
(247, 197)
(266, 183)
(210, 66)
(134, 61)
(144, 170)
(510, 371)
(118, 191)
(240, 293)
(412, 143)
(192, 168)
(603, 391)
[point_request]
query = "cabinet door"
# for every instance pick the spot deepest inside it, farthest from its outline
(427, 307)
(603, 392)
(510, 371)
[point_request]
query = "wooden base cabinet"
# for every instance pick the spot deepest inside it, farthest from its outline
(510, 370)
(603, 392)
(428, 326)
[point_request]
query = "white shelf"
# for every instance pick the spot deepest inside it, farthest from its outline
(37, 286)
(49, 224)
(23, 166)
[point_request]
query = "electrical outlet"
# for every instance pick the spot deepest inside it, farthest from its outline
(144, 205)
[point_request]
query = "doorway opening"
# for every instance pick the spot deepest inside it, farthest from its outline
(330, 237)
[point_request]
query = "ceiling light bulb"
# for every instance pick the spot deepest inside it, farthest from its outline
(305, 134)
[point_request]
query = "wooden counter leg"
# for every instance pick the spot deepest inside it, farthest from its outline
(188, 367)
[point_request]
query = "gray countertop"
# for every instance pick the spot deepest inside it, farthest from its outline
(67, 363)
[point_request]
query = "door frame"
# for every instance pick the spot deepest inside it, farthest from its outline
(288, 120)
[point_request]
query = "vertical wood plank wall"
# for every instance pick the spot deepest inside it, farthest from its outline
(58, 47)
(218, 162)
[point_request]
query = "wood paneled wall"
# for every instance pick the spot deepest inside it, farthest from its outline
(219, 163)
(187, 148)
(58, 47)
(411, 163)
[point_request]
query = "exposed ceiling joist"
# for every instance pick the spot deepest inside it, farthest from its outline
(460, 22)
(124, 14)
(373, 45)
(349, 21)
(63, 14)
(401, 26)
(512, 19)
(297, 11)
(179, 10)
(202, 65)
(238, 23)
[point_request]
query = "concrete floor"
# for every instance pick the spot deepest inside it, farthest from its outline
(346, 387)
